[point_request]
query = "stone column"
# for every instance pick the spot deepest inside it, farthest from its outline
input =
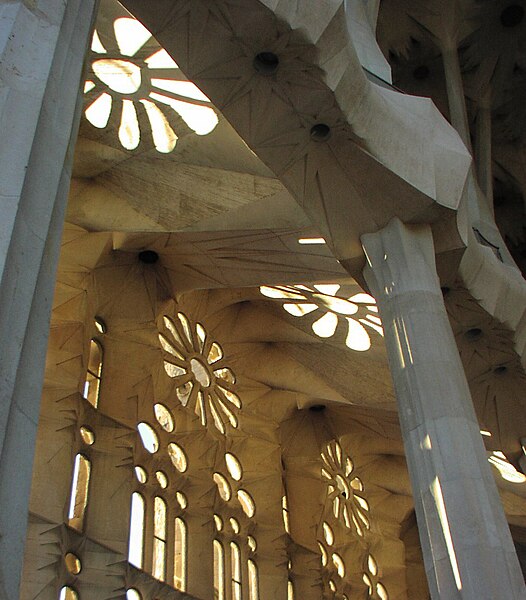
(42, 49)
(200, 556)
(467, 546)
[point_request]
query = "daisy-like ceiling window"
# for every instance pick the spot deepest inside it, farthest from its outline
(133, 81)
(196, 363)
(345, 489)
(331, 308)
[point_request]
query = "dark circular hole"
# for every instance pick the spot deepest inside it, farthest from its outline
(473, 334)
(512, 15)
(266, 63)
(148, 257)
(421, 72)
(500, 370)
(317, 407)
(320, 132)
(344, 494)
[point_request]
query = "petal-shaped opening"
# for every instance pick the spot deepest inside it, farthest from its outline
(325, 326)
(178, 457)
(201, 335)
(381, 592)
(374, 326)
(328, 288)
(226, 374)
(226, 411)
(336, 506)
(173, 370)
(372, 566)
(129, 132)
(357, 337)
(326, 473)
(247, 503)
(230, 396)
(186, 327)
(200, 409)
(170, 325)
(96, 45)
(223, 487)
(357, 484)
(299, 310)
(362, 298)
(328, 533)
(168, 347)
(234, 466)
(164, 417)
(362, 502)
(184, 391)
(181, 88)
(339, 564)
(98, 112)
(130, 34)
(337, 305)
(218, 422)
(281, 293)
(338, 450)
(161, 60)
(346, 517)
(202, 119)
(323, 555)
(88, 86)
(140, 474)
(215, 353)
(149, 438)
(164, 137)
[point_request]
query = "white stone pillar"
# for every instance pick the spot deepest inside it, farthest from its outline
(42, 49)
(467, 546)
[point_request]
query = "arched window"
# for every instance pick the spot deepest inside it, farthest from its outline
(253, 584)
(159, 539)
(94, 373)
(68, 593)
(79, 492)
(235, 566)
(180, 551)
(219, 571)
(290, 590)
(136, 540)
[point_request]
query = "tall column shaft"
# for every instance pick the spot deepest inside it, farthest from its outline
(42, 49)
(467, 546)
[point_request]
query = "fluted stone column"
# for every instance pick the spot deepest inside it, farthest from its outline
(42, 49)
(467, 546)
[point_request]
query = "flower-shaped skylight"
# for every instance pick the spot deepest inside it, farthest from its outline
(331, 310)
(197, 365)
(134, 80)
(344, 489)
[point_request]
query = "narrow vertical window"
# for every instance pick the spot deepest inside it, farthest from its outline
(180, 551)
(79, 492)
(135, 544)
(93, 375)
(219, 571)
(290, 590)
(253, 584)
(235, 565)
(159, 539)
(285, 512)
